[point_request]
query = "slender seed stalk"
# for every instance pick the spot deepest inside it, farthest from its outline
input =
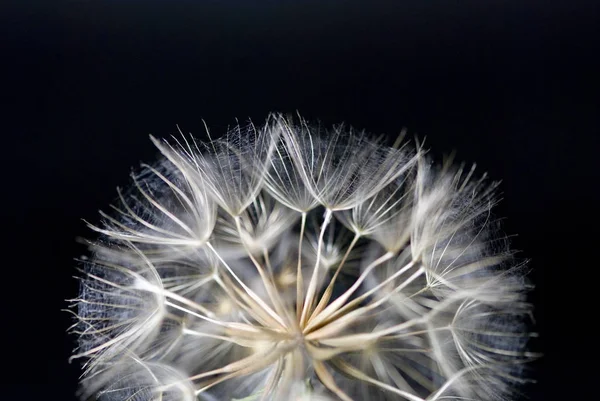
(329, 290)
(312, 286)
(299, 280)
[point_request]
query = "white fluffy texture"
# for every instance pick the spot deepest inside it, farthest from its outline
(288, 262)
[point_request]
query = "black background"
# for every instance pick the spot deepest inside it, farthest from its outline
(507, 84)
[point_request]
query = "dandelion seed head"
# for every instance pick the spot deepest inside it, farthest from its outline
(289, 261)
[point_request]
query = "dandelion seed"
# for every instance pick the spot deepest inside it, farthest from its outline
(289, 262)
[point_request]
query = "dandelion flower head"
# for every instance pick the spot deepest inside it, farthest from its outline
(291, 262)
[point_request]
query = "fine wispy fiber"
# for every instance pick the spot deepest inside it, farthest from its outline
(291, 262)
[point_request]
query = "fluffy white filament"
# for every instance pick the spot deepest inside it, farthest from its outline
(288, 262)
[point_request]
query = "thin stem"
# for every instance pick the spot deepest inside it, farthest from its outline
(345, 341)
(343, 310)
(215, 336)
(415, 333)
(352, 317)
(267, 281)
(192, 313)
(312, 286)
(247, 303)
(246, 366)
(328, 381)
(329, 290)
(335, 305)
(299, 279)
(248, 291)
(353, 372)
(273, 379)
(455, 377)
(178, 298)
(279, 303)
(325, 353)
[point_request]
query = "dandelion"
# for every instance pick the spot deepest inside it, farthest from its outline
(289, 262)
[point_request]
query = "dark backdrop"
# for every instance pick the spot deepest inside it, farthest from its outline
(508, 84)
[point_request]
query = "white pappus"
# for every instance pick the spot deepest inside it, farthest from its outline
(290, 262)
